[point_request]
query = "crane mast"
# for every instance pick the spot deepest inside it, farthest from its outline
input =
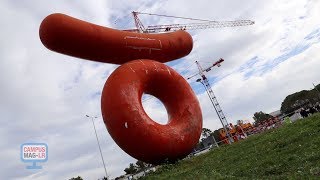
(140, 27)
(204, 81)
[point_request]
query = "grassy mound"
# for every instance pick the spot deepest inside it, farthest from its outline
(289, 152)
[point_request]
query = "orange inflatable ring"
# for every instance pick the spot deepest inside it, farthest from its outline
(129, 125)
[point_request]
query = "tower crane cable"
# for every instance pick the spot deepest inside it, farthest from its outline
(184, 72)
(120, 17)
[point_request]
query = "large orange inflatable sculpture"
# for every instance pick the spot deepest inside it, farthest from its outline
(127, 122)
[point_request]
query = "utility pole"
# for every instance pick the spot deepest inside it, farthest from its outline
(104, 165)
(204, 81)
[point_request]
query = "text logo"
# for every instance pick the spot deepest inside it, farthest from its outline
(34, 152)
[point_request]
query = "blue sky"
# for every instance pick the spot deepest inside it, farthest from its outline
(250, 69)
(45, 95)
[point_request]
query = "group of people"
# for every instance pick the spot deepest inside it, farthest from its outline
(275, 122)
(270, 123)
(305, 112)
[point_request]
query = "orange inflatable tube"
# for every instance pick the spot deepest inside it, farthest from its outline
(74, 37)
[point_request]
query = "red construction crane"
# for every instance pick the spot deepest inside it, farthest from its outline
(205, 82)
(191, 26)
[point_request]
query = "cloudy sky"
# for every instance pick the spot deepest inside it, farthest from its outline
(45, 95)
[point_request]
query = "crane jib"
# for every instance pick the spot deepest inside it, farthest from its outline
(205, 24)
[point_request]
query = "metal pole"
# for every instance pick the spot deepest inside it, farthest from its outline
(104, 165)
(215, 142)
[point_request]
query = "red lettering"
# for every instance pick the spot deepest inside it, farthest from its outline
(34, 149)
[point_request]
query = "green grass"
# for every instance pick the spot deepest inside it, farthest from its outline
(289, 152)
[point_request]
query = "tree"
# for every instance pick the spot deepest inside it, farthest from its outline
(300, 99)
(216, 135)
(120, 177)
(77, 178)
(206, 132)
(317, 88)
(141, 165)
(261, 116)
(131, 169)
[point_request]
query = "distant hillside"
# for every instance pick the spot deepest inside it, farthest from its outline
(299, 99)
(289, 152)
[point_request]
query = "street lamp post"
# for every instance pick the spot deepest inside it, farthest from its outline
(104, 165)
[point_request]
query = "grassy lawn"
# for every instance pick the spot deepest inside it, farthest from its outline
(289, 152)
